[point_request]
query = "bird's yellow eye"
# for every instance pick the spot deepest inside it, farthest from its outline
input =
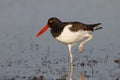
(50, 21)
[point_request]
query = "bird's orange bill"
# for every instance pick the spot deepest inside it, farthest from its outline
(42, 30)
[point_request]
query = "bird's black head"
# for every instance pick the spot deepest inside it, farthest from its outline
(53, 22)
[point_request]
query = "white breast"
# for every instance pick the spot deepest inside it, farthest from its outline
(68, 36)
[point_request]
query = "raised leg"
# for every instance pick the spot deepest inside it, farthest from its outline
(83, 43)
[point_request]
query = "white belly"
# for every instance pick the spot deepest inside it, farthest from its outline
(69, 37)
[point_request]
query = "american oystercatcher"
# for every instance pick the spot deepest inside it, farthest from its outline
(70, 33)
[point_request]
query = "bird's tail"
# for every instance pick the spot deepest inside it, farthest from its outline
(94, 26)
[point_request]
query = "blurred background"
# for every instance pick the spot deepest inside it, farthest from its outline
(22, 56)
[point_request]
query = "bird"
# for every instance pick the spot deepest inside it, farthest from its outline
(69, 33)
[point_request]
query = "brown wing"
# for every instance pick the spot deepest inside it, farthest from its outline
(78, 26)
(86, 27)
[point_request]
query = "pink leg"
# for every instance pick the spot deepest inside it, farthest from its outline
(83, 43)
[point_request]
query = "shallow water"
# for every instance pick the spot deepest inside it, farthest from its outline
(23, 57)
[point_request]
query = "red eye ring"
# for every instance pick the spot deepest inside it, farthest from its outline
(50, 21)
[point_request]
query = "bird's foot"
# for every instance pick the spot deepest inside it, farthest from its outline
(81, 49)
